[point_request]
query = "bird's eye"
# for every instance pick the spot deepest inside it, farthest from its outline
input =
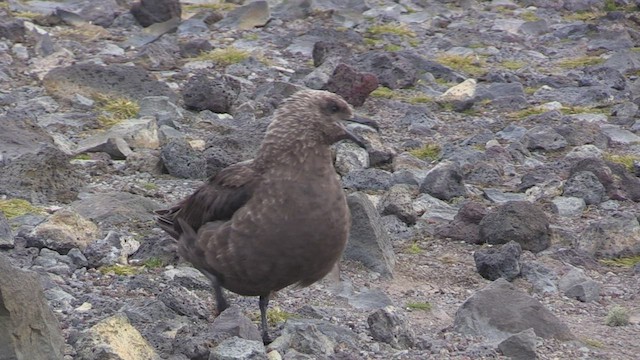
(335, 108)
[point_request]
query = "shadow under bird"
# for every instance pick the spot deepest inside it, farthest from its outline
(281, 219)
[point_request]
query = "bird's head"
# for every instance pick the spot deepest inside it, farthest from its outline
(322, 115)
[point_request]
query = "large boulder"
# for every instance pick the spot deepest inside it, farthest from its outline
(500, 310)
(28, 328)
(520, 221)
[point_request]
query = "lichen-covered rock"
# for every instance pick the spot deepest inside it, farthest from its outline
(64, 230)
(114, 338)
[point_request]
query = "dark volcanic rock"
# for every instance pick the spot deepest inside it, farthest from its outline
(12, 29)
(585, 185)
(398, 201)
(465, 225)
(367, 179)
(368, 242)
(323, 50)
(117, 80)
(393, 70)
(149, 12)
(21, 136)
(41, 177)
(499, 262)
(6, 235)
(520, 346)
(499, 310)
(181, 160)
(520, 221)
(203, 93)
(352, 85)
(444, 182)
(390, 327)
(28, 328)
(115, 208)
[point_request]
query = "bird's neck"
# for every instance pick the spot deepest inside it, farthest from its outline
(298, 155)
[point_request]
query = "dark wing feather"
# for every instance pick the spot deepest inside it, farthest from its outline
(218, 199)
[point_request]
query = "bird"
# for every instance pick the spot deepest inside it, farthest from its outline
(280, 219)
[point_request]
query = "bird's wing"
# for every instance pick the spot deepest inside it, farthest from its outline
(218, 199)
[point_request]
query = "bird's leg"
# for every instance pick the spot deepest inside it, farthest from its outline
(221, 302)
(264, 303)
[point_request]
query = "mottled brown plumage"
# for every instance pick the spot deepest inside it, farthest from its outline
(281, 219)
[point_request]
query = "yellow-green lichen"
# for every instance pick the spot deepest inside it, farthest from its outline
(393, 29)
(625, 160)
(472, 65)
(153, 263)
(414, 249)
(617, 316)
(115, 109)
(622, 262)
(580, 61)
(513, 64)
(418, 305)
(426, 152)
(18, 207)
(118, 269)
(275, 315)
(225, 56)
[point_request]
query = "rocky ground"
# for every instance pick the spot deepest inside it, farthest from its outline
(495, 212)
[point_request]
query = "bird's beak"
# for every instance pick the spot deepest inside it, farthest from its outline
(359, 120)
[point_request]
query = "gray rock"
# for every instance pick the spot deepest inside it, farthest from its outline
(624, 61)
(116, 147)
(12, 29)
(367, 179)
(611, 237)
(567, 206)
(148, 12)
(133, 82)
(584, 152)
(115, 208)
(576, 96)
(184, 302)
(41, 177)
(444, 182)
(432, 209)
(236, 348)
(368, 241)
(539, 276)
(575, 284)
(619, 183)
(194, 47)
(499, 310)
(187, 277)
(500, 262)
(161, 107)
(585, 185)
(394, 70)
(498, 196)
(253, 14)
(350, 157)
(28, 327)
(232, 322)
(389, 326)
(20, 136)
(313, 337)
(465, 225)
(520, 346)
(215, 94)
(192, 26)
(519, 221)
(370, 299)
(6, 234)
(115, 248)
(181, 160)
(618, 135)
(140, 133)
(512, 133)
(544, 138)
(398, 201)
